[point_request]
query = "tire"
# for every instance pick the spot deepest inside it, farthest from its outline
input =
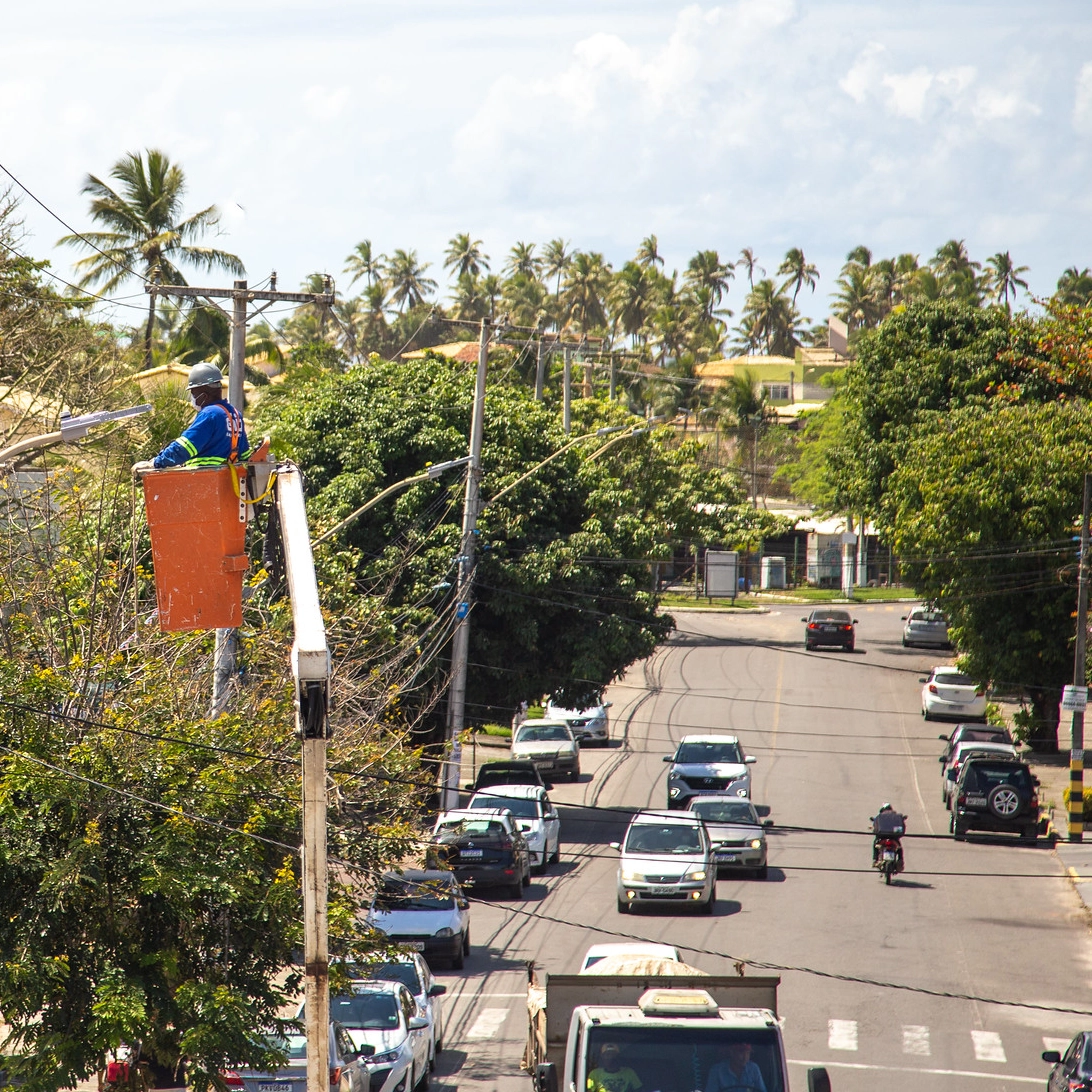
(926, 715)
(762, 872)
(709, 905)
(458, 961)
(515, 891)
(575, 775)
(888, 872)
(808, 646)
(623, 906)
(526, 882)
(423, 1081)
(1004, 802)
(959, 831)
(466, 943)
(556, 858)
(850, 646)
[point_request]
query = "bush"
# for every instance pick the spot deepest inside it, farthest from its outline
(494, 730)
(1087, 804)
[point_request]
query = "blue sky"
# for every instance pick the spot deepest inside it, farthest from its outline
(821, 124)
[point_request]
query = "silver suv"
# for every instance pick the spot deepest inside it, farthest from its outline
(707, 765)
(666, 858)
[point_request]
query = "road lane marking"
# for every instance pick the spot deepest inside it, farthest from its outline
(1074, 874)
(987, 1046)
(488, 1024)
(1060, 1045)
(917, 1069)
(841, 1034)
(915, 1040)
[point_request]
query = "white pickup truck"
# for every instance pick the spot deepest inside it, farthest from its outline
(677, 1032)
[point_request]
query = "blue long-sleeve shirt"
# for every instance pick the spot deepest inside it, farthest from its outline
(207, 442)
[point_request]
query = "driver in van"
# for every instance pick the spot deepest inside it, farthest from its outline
(735, 1070)
(610, 1075)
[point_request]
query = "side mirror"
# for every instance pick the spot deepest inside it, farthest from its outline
(953, 773)
(902, 617)
(616, 845)
(436, 990)
(945, 738)
(365, 1050)
(767, 822)
(607, 704)
(463, 904)
(669, 758)
(750, 759)
(926, 680)
(418, 1023)
(546, 1077)
(818, 1080)
(1052, 1056)
(941, 758)
(856, 621)
(803, 619)
(469, 786)
(548, 786)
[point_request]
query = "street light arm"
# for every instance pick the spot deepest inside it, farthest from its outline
(432, 472)
(47, 439)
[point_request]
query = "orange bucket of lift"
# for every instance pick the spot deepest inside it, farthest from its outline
(197, 521)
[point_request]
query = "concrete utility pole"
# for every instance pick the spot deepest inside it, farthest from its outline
(460, 645)
(540, 372)
(1076, 745)
(227, 640)
(567, 389)
(862, 554)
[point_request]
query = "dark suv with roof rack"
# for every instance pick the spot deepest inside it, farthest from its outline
(998, 795)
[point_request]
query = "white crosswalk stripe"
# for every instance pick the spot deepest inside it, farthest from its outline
(842, 1034)
(915, 1040)
(1059, 1045)
(488, 1024)
(987, 1046)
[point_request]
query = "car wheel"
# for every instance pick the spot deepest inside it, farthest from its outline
(575, 775)
(623, 906)
(466, 942)
(926, 714)
(438, 1049)
(527, 876)
(959, 831)
(515, 891)
(1004, 802)
(808, 646)
(556, 858)
(458, 961)
(709, 905)
(850, 646)
(423, 1081)
(762, 872)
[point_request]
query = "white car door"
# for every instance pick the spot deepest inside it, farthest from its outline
(553, 826)
(420, 1038)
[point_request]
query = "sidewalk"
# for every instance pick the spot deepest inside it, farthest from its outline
(1077, 861)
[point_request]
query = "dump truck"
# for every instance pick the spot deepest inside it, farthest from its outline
(673, 1028)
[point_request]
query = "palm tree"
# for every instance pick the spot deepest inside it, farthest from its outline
(744, 398)
(522, 260)
(406, 276)
(1004, 277)
(587, 282)
(491, 289)
(464, 255)
(861, 255)
(855, 303)
(799, 272)
(524, 297)
(364, 263)
(769, 320)
(469, 302)
(1074, 287)
(648, 253)
(706, 271)
(145, 233)
(747, 258)
(556, 259)
(633, 297)
(958, 275)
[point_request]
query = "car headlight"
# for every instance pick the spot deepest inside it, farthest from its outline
(631, 875)
(674, 790)
(742, 792)
(383, 1059)
(699, 875)
(445, 932)
(756, 843)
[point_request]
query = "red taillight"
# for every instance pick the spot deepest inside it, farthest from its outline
(1034, 800)
(847, 628)
(933, 689)
(231, 1079)
(979, 691)
(962, 799)
(335, 1074)
(813, 625)
(506, 842)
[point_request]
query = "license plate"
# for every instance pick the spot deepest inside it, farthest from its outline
(830, 629)
(270, 1086)
(977, 801)
(727, 857)
(661, 890)
(471, 852)
(415, 945)
(888, 855)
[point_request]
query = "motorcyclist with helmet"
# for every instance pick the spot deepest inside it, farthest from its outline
(888, 825)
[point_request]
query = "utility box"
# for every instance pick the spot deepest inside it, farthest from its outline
(721, 574)
(773, 572)
(197, 521)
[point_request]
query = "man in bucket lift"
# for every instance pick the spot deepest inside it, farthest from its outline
(217, 435)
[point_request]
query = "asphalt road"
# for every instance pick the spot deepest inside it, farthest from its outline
(834, 735)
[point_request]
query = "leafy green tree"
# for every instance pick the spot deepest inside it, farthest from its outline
(406, 276)
(984, 501)
(1074, 287)
(855, 300)
(769, 321)
(587, 282)
(145, 234)
(524, 297)
(648, 253)
(706, 271)
(522, 260)
(464, 256)
(469, 302)
(959, 277)
(635, 292)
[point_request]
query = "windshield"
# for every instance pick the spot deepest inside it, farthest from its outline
(478, 827)
(952, 678)
(399, 895)
(366, 1011)
(525, 809)
(543, 733)
(406, 973)
(725, 811)
(708, 752)
(665, 838)
(686, 1059)
(830, 616)
(927, 616)
(984, 735)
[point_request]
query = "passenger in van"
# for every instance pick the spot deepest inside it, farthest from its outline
(610, 1075)
(735, 1070)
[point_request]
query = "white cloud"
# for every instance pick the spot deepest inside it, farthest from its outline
(864, 74)
(908, 92)
(1082, 106)
(324, 103)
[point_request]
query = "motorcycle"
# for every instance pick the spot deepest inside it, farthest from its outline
(887, 829)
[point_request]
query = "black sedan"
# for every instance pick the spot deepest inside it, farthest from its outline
(484, 848)
(829, 627)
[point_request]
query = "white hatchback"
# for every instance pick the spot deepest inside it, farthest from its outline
(666, 858)
(948, 693)
(535, 816)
